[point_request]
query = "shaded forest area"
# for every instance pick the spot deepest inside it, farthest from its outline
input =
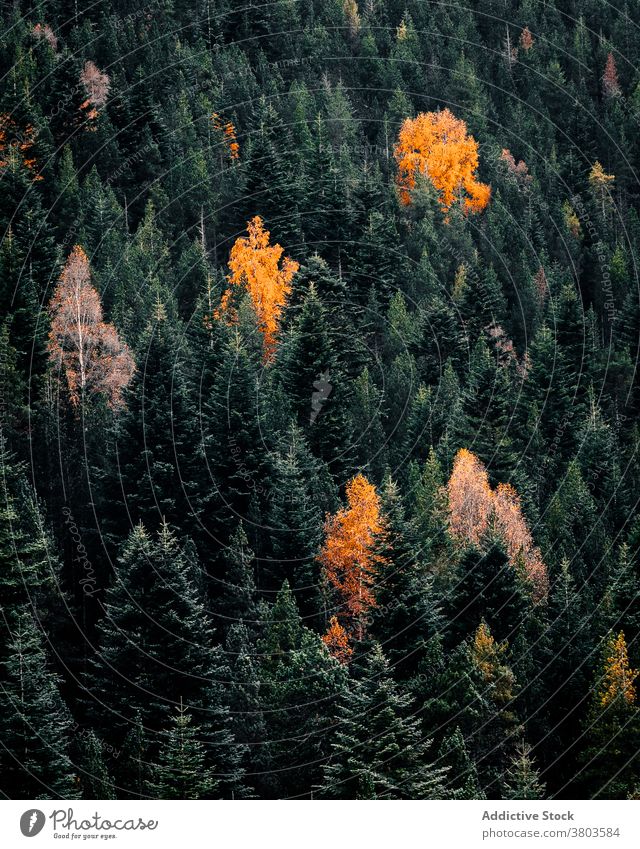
(319, 334)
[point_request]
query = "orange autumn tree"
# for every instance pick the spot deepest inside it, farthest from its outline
(337, 641)
(81, 343)
(513, 529)
(17, 143)
(474, 508)
(265, 274)
(437, 146)
(228, 133)
(349, 556)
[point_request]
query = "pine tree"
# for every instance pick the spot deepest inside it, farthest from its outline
(316, 384)
(407, 613)
(248, 722)
(238, 599)
(95, 779)
(232, 445)
(156, 641)
(152, 473)
(35, 723)
(294, 517)
(28, 566)
(132, 769)
(522, 779)
(377, 748)
(487, 588)
(300, 682)
(462, 776)
(181, 771)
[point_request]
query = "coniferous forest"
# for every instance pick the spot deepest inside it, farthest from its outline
(319, 340)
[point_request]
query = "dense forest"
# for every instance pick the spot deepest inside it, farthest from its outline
(319, 338)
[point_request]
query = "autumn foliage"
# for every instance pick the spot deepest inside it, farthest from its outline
(610, 83)
(337, 641)
(489, 658)
(470, 499)
(618, 679)
(17, 142)
(228, 131)
(526, 39)
(517, 171)
(265, 274)
(90, 352)
(96, 85)
(44, 31)
(474, 508)
(349, 556)
(437, 146)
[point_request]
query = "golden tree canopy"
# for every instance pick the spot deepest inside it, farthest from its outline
(265, 274)
(348, 556)
(437, 145)
(618, 678)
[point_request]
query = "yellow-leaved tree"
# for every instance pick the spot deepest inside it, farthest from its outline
(617, 682)
(337, 641)
(350, 556)
(260, 269)
(437, 146)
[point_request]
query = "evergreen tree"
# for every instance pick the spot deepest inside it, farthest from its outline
(462, 776)
(95, 779)
(522, 780)
(156, 640)
(489, 588)
(316, 384)
(300, 682)
(152, 468)
(35, 722)
(181, 771)
(377, 748)
(238, 599)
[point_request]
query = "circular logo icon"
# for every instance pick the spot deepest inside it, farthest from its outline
(32, 822)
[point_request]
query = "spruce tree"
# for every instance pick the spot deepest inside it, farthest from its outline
(522, 779)
(377, 747)
(35, 723)
(181, 771)
(300, 682)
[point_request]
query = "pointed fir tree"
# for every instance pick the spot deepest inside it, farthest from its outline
(522, 779)
(300, 683)
(94, 776)
(461, 780)
(377, 748)
(35, 723)
(156, 640)
(181, 771)
(295, 518)
(238, 593)
(406, 615)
